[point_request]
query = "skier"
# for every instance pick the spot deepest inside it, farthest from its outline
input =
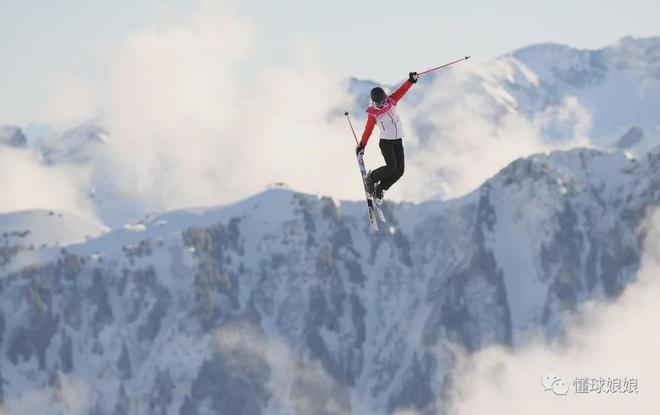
(383, 112)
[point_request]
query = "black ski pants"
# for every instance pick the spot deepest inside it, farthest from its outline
(392, 171)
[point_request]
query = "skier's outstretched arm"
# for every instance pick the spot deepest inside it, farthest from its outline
(368, 129)
(399, 93)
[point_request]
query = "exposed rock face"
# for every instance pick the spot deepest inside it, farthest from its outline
(12, 136)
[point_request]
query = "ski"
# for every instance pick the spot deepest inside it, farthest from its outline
(380, 213)
(371, 204)
(373, 222)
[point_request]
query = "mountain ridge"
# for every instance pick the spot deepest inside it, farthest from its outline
(370, 315)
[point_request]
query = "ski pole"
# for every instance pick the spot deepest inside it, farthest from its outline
(443, 66)
(351, 124)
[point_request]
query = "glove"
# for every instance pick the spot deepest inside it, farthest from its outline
(413, 77)
(359, 149)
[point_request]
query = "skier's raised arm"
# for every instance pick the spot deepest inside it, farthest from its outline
(399, 93)
(368, 129)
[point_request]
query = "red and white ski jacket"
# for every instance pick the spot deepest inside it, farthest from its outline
(386, 117)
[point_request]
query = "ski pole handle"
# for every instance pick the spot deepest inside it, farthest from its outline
(443, 66)
(351, 124)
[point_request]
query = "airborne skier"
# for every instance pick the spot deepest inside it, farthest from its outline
(383, 112)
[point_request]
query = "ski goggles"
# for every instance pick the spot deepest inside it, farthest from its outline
(381, 103)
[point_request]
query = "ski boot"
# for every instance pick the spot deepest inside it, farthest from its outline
(369, 184)
(378, 194)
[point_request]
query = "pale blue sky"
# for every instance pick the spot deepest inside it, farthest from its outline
(40, 41)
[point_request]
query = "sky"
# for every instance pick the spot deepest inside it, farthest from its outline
(208, 102)
(45, 46)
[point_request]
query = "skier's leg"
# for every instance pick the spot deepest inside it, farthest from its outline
(400, 165)
(390, 167)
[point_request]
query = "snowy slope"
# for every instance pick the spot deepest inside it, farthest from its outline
(618, 87)
(286, 303)
(42, 227)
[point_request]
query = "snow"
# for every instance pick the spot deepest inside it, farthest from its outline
(135, 227)
(618, 84)
(44, 227)
(515, 255)
(286, 236)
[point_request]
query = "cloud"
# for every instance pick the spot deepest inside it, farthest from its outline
(195, 118)
(616, 340)
(190, 125)
(171, 108)
(28, 184)
(472, 128)
(296, 384)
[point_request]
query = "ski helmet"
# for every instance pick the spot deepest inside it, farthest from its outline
(378, 96)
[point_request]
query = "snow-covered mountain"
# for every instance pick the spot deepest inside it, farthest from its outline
(286, 303)
(618, 87)
(469, 121)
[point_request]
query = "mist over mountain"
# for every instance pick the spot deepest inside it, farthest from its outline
(464, 124)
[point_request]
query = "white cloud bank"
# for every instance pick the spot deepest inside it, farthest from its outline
(191, 126)
(193, 122)
(27, 184)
